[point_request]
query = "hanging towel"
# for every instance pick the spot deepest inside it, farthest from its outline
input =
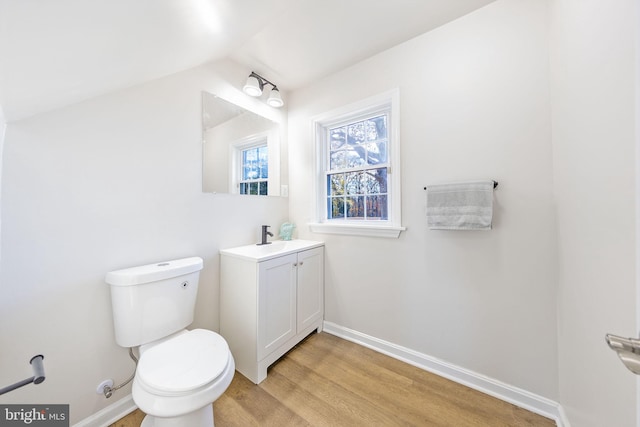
(460, 206)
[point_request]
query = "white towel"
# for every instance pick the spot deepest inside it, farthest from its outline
(460, 206)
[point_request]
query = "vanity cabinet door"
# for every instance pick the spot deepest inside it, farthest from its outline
(310, 287)
(276, 303)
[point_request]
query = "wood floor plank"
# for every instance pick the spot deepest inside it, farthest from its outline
(353, 409)
(328, 381)
(392, 394)
(378, 397)
(424, 396)
(258, 405)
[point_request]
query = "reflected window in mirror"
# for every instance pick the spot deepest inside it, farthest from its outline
(254, 170)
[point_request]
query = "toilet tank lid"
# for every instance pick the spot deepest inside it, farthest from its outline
(153, 272)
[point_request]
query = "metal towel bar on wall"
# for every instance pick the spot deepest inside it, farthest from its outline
(495, 184)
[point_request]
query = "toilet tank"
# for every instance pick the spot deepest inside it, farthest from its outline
(153, 301)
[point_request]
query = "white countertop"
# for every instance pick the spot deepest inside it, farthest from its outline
(275, 249)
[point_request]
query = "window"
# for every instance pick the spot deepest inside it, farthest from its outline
(358, 190)
(250, 159)
(254, 170)
(356, 173)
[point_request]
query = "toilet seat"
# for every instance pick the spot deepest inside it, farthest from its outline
(183, 364)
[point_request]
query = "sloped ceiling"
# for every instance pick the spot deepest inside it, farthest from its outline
(58, 52)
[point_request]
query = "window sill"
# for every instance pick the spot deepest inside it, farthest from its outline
(389, 231)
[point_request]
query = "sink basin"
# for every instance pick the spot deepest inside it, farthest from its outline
(275, 249)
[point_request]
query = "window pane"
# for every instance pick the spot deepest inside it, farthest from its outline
(263, 163)
(358, 132)
(244, 188)
(335, 184)
(377, 207)
(338, 137)
(249, 164)
(355, 207)
(338, 160)
(263, 187)
(376, 181)
(376, 152)
(336, 207)
(253, 188)
(377, 128)
(245, 168)
(353, 182)
(356, 156)
(255, 163)
(249, 156)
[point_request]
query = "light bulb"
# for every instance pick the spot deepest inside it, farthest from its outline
(275, 100)
(252, 87)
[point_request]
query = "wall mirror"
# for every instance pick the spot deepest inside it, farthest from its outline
(240, 150)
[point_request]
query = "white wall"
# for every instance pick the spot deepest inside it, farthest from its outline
(594, 84)
(3, 128)
(474, 99)
(106, 184)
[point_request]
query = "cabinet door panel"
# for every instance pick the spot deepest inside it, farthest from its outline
(277, 303)
(310, 287)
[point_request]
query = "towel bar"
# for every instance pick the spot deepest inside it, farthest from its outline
(495, 184)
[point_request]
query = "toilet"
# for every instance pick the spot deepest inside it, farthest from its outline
(180, 372)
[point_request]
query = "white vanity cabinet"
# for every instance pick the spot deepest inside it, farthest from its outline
(271, 297)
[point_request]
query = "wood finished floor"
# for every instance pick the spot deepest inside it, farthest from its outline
(328, 381)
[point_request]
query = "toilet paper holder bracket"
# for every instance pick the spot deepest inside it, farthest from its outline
(628, 350)
(37, 378)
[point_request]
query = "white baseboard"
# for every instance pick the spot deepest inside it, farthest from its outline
(514, 395)
(562, 420)
(110, 414)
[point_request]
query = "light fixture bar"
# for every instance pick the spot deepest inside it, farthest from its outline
(261, 79)
(256, 83)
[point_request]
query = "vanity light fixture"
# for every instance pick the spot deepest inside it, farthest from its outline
(255, 84)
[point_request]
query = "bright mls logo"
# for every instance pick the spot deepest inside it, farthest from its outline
(34, 415)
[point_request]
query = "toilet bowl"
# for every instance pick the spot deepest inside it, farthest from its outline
(180, 372)
(177, 380)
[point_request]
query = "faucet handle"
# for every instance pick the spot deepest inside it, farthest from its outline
(265, 233)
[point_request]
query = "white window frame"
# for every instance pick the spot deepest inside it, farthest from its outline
(392, 227)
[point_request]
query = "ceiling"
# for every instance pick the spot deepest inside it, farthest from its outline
(58, 52)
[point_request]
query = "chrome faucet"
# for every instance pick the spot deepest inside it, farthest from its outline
(265, 232)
